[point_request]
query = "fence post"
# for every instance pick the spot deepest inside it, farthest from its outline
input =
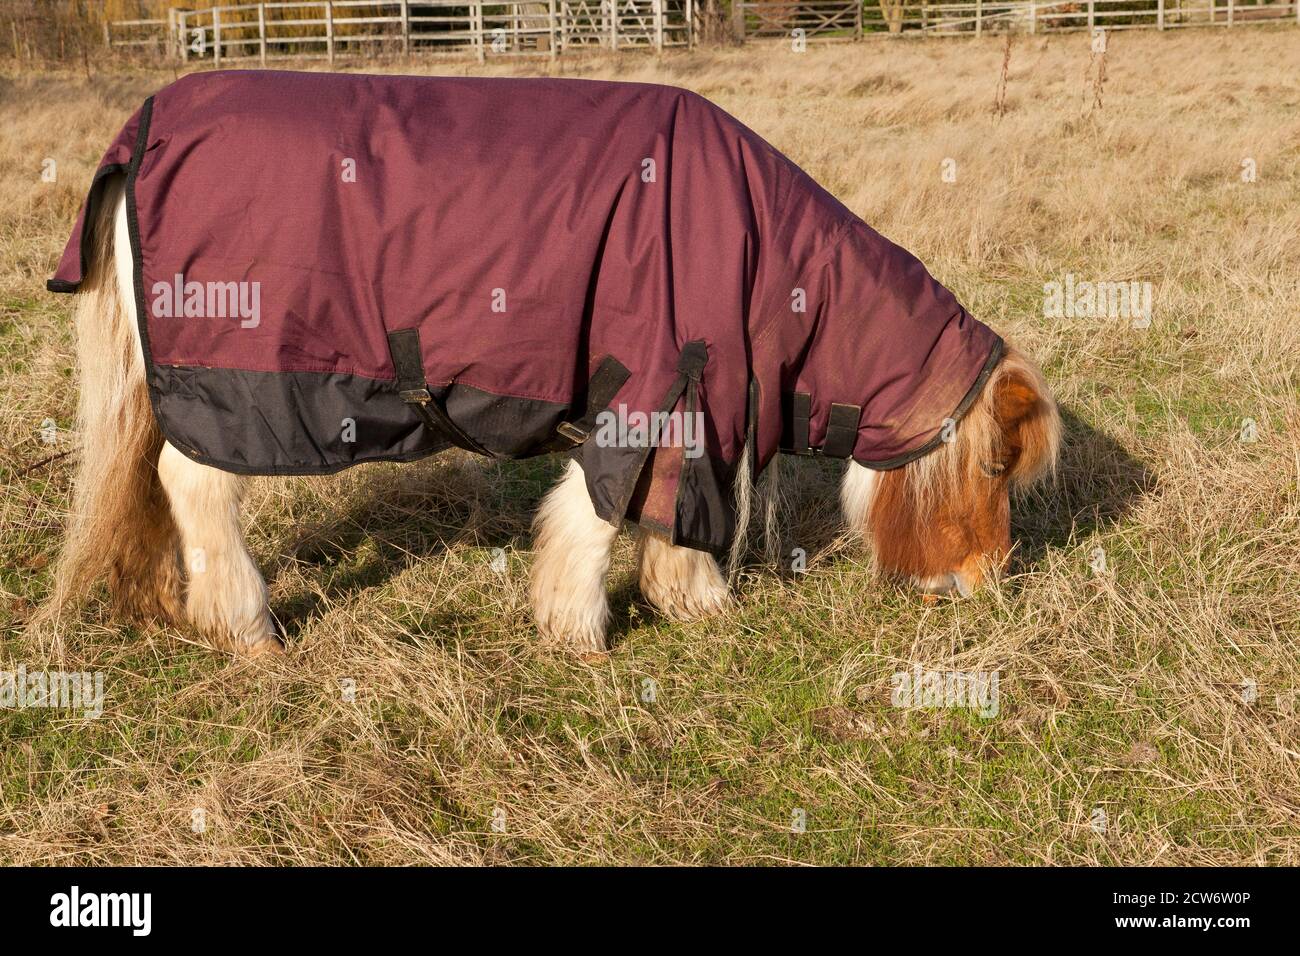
(1160, 14)
(857, 21)
(553, 26)
(216, 36)
(185, 35)
(406, 28)
(658, 7)
(108, 41)
(1033, 17)
(613, 24)
(1092, 15)
(979, 17)
(261, 30)
(329, 29)
(478, 31)
(690, 24)
(1230, 11)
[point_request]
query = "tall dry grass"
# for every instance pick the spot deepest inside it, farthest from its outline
(1162, 692)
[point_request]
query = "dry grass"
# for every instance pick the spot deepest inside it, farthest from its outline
(1120, 692)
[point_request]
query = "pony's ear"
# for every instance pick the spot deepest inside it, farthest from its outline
(1028, 421)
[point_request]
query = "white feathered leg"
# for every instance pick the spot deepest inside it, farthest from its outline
(571, 562)
(226, 596)
(684, 584)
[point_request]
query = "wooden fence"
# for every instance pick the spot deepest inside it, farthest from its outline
(851, 19)
(327, 29)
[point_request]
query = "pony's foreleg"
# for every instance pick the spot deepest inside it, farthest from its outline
(572, 558)
(226, 596)
(857, 493)
(684, 584)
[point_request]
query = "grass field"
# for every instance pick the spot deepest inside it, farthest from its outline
(1162, 693)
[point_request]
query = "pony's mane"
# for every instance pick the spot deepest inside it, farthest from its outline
(1013, 424)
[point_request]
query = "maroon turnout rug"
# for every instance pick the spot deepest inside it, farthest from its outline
(331, 269)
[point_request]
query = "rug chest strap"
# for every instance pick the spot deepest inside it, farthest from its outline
(604, 385)
(795, 412)
(408, 362)
(841, 430)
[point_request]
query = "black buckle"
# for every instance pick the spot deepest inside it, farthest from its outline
(604, 385)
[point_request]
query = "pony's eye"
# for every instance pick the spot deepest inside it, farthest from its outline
(995, 469)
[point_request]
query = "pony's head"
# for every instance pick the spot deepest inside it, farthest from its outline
(943, 521)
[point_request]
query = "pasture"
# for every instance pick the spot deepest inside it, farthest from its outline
(1147, 708)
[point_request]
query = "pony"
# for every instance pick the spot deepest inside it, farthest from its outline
(941, 522)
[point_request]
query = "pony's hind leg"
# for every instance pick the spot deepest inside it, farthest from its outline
(684, 584)
(569, 567)
(226, 596)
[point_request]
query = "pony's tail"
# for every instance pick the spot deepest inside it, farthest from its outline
(121, 528)
(743, 489)
(763, 498)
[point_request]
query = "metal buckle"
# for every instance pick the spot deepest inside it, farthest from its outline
(572, 432)
(416, 395)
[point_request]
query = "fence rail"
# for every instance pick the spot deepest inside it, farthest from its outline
(327, 29)
(850, 19)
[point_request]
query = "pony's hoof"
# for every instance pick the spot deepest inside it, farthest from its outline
(688, 598)
(575, 640)
(268, 647)
(272, 645)
(682, 584)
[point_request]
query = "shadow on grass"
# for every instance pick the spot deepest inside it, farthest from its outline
(408, 518)
(1097, 483)
(419, 517)
(622, 620)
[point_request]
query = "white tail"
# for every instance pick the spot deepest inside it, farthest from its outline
(137, 499)
(121, 528)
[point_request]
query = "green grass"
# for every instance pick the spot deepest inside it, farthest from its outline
(467, 743)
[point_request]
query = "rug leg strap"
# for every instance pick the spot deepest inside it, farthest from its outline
(690, 368)
(604, 385)
(408, 362)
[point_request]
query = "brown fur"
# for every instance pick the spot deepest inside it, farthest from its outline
(950, 510)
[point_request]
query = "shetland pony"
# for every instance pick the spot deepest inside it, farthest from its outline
(164, 531)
